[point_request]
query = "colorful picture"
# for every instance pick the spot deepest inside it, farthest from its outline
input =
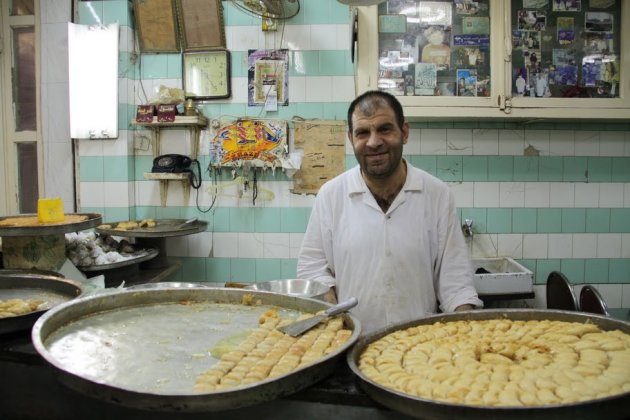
(425, 79)
(521, 85)
(529, 20)
(434, 46)
(262, 142)
(567, 5)
(268, 71)
(535, 4)
(466, 7)
(466, 82)
(475, 25)
(598, 22)
(598, 42)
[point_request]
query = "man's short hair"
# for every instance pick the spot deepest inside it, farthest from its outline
(375, 98)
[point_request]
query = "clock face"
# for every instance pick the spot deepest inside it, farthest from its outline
(207, 74)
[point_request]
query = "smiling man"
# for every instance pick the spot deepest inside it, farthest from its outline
(386, 232)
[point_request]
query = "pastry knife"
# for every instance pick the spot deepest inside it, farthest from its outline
(300, 327)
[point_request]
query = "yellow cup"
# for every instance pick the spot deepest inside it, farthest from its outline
(50, 210)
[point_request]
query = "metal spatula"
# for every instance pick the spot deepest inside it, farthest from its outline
(300, 327)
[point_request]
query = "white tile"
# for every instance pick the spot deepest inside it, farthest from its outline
(540, 299)
(239, 90)
(458, 141)
(250, 245)
(295, 242)
(433, 141)
(511, 194)
(56, 11)
(244, 38)
(91, 194)
(225, 245)
(484, 246)
(625, 245)
(510, 245)
(560, 245)
(116, 194)
(324, 37)
(611, 294)
(584, 245)
(58, 116)
(511, 142)
(537, 194)
(200, 244)
(413, 143)
(626, 195)
(343, 37)
(611, 143)
(625, 295)
(485, 142)
(297, 37)
(538, 139)
(608, 245)
(562, 143)
(117, 147)
(535, 245)
(148, 193)
(343, 88)
(587, 143)
(611, 195)
(276, 245)
(561, 194)
(90, 147)
(486, 194)
(463, 192)
(586, 195)
(297, 89)
(58, 173)
(319, 89)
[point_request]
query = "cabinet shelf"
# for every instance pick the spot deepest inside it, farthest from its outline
(501, 58)
(192, 123)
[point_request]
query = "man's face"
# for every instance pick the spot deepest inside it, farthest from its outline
(377, 141)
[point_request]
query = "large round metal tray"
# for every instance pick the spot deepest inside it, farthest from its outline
(610, 408)
(52, 290)
(133, 258)
(150, 356)
(162, 228)
(92, 220)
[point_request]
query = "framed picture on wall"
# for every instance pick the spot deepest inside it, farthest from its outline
(201, 24)
(156, 23)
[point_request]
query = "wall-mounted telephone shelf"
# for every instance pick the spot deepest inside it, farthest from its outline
(164, 178)
(193, 123)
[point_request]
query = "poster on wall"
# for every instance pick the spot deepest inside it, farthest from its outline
(268, 77)
(260, 142)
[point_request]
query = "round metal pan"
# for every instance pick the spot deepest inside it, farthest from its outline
(162, 228)
(28, 272)
(159, 342)
(52, 290)
(92, 220)
(609, 408)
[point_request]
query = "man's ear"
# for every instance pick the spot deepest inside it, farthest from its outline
(405, 132)
(350, 136)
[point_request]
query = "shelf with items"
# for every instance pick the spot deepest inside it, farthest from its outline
(192, 123)
(484, 48)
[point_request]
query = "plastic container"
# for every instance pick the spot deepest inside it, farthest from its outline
(50, 210)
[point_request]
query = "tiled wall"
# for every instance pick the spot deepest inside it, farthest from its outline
(553, 196)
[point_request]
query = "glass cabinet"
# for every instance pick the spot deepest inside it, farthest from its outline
(498, 59)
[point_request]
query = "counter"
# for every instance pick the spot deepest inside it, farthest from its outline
(30, 390)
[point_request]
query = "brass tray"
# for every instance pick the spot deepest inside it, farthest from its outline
(609, 408)
(163, 228)
(144, 348)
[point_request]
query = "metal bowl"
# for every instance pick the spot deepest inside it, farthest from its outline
(166, 285)
(293, 287)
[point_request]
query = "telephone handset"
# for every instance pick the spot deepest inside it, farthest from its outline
(172, 163)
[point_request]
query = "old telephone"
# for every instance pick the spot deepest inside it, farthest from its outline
(172, 163)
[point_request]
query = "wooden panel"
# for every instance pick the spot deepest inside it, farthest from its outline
(156, 24)
(201, 23)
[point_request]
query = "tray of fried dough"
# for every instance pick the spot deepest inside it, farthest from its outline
(189, 349)
(510, 363)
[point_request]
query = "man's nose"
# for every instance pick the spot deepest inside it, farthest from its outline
(374, 140)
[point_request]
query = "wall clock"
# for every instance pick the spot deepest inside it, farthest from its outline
(207, 74)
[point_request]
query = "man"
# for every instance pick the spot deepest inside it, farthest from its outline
(386, 232)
